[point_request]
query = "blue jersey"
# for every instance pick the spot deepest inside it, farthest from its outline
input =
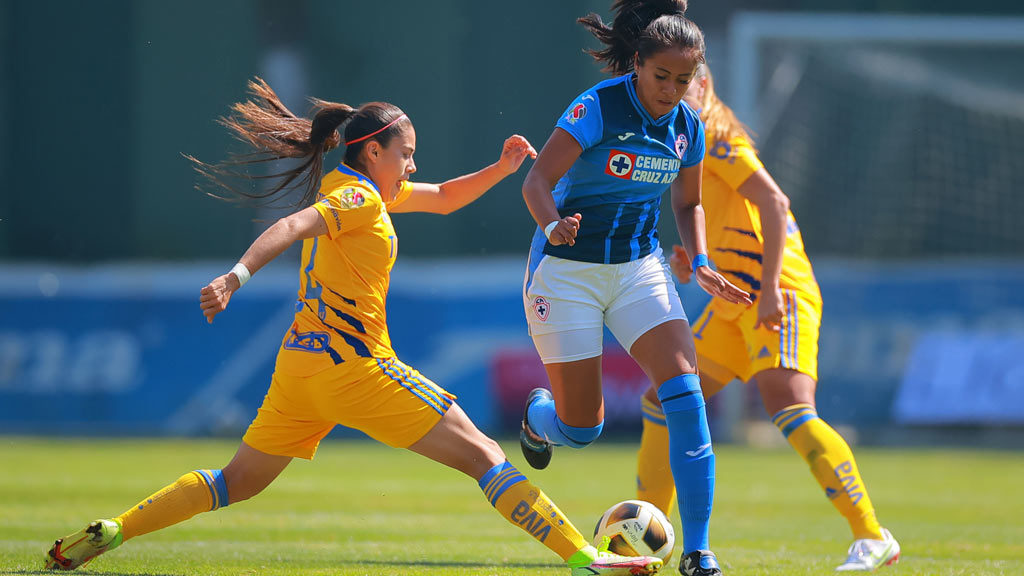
(629, 160)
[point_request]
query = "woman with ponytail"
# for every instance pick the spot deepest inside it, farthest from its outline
(595, 193)
(755, 240)
(336, 364)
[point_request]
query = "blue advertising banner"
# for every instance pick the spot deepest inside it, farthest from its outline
(125, 349)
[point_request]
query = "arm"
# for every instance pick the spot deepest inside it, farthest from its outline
(306, 223)
(555, 159)
(454, 194)
(762, 191)
(690, 223)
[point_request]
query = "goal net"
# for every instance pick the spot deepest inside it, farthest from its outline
(894, 136)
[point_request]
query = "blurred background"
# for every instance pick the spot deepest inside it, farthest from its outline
(895, 127)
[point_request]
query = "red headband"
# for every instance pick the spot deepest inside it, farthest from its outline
(371, 134)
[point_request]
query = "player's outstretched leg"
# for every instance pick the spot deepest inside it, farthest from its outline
(868, 555)
(78, 549)
(536, 450)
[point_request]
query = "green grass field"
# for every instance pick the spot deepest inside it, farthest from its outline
(362, 508)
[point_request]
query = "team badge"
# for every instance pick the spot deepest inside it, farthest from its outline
(620, 164)
(576, 114)
(352, 198)
(681, 144)
(541, 308)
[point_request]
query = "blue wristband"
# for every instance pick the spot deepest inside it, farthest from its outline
(699, 260)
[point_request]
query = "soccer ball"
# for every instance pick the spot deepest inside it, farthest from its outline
(636, 528)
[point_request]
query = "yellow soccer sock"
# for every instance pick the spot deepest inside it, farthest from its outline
(525, 505)
(654, 481)
(832, 464)
(195, 492)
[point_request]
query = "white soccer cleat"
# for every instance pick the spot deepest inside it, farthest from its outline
(869, 555)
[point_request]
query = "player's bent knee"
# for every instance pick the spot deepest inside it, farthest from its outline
(579, 437)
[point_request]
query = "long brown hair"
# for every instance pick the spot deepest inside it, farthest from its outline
(642, 28)
(265, 124)
(720, 122)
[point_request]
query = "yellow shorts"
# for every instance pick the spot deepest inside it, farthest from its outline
(383, 398)
(743, 352)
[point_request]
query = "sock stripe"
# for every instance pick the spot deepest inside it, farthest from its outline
(208, 479)
(508, 477)
(677, 396)
(788, 418)
(789, 411)
(221, 485)
(655, 420)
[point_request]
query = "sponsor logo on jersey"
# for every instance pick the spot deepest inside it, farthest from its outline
(576, 114)
(541, 308)
(681, 144)
(352, 198)
(639, 168)
(315, 342)
(626, 136)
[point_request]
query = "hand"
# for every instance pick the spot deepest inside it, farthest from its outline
(514, 153)
(770, 310)
(715, 284)
(214, 297)
(565, 230)
(679, 262)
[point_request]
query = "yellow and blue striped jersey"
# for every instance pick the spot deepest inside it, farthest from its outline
(339, 313)
(733, 225)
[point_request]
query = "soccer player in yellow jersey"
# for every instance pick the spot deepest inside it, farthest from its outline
(336, 364)
(754, 241)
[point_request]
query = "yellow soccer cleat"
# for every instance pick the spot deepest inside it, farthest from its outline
(79, 548)
(600, 562)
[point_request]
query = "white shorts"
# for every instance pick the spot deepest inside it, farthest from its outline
(568, 303)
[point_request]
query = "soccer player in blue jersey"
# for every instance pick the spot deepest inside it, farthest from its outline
(595, 192)
(336, 364)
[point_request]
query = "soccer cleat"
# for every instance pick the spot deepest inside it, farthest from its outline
(867, 555)
(79, 548)
(536, 450)
(605, 563)
(699, 563)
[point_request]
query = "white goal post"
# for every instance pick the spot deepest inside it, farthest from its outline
(749, 30)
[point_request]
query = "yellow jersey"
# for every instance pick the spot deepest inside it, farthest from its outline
(733, 224)
(343, 283)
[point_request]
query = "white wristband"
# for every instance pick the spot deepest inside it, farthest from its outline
(242, 273)
(550, 228)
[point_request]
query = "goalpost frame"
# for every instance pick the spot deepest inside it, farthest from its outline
(747, 30)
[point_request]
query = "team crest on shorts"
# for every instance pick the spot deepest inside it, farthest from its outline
(681, 144)
(541, 308)
(352, 198)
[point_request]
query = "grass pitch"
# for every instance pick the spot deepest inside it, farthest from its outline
(362, 508)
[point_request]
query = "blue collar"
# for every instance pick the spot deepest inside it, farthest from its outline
(635, 99)
(345, 169)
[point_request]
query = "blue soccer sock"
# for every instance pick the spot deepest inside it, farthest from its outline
(544, 422)
(691, 457)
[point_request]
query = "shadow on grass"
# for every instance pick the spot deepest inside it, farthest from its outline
(450, 564)
(86, 573)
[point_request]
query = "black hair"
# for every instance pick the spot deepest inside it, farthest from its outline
(642, 28)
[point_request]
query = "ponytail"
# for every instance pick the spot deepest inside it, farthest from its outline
(264, 123)
(642, 27)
